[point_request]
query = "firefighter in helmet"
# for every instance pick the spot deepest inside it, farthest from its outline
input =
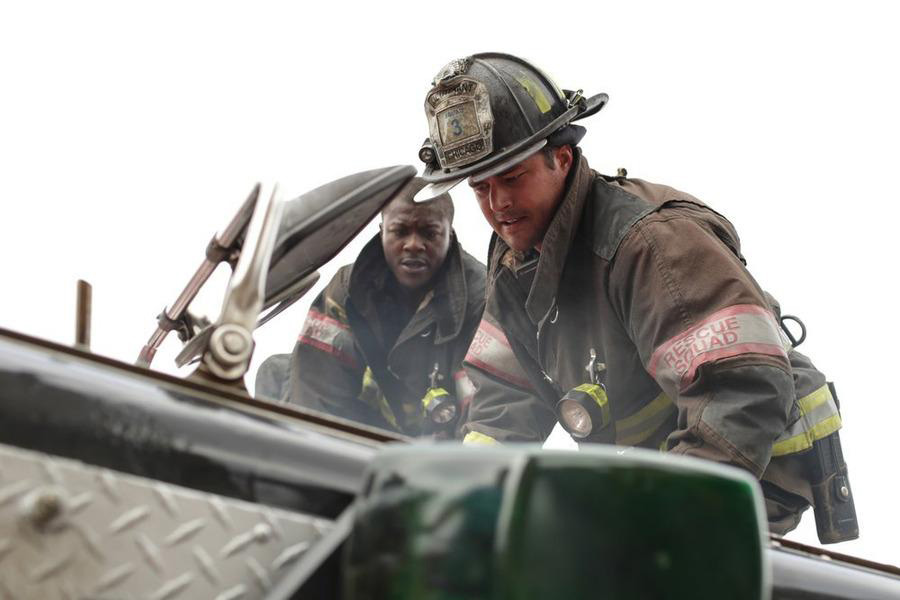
(383, 343)
(621, 308)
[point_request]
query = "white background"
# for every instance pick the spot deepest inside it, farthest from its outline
(130, 132)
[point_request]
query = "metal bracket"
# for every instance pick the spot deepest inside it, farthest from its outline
(227, 356)
(229, 238)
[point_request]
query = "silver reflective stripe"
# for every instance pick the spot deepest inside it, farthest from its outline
(819, 418)
(490, 351)
(322, 332)
(465, 389)
(640, 426)
(739, 329)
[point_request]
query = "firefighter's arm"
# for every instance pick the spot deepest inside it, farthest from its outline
(327, 369)
(505, 408)
(463, 386)
(706, 334)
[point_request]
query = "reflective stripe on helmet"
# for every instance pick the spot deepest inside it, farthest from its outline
(534, 90)
(474, 437)
(819, 418)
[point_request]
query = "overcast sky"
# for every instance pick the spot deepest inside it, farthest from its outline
(129, 133)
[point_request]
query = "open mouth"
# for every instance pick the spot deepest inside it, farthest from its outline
(508, 223)
(413, 265)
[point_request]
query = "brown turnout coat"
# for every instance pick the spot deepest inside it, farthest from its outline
(342, 364)
(692, 357)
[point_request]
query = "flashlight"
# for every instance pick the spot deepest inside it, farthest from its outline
(439, 406)
(426, 152)
(583, 410)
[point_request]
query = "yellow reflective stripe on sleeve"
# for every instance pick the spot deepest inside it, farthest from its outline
(809, 403)
(819, 418)
(475, 437)
(369, 392)
(387, 413)
(805, 440)
(371, 395)
(826, 427)
(641, 425)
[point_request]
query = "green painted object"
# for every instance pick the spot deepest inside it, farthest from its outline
(520, 523)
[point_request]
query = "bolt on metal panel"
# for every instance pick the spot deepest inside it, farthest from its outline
(70, 530)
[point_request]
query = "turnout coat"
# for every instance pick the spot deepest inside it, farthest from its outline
(344, 364)
(687, 344)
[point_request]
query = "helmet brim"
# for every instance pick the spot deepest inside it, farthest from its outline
(509, 163)
(439, 188)
(436, 190)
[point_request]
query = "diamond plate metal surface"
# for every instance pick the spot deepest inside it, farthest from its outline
(72, 531)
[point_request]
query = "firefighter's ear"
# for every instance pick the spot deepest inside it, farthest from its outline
(565, 157)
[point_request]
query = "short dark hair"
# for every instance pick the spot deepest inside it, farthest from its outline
(549, 158)
(549, 153)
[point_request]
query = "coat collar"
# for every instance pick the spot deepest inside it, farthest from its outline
(371, 281)
(556, 243)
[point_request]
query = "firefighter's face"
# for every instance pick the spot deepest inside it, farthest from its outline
(415, 241)
(520, 203)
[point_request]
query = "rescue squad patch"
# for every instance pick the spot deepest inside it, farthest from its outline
(739, 329)
(490, 351)
(322, 332)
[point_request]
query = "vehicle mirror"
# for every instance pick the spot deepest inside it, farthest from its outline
(525, 524)
(318, 224)
(311, 229)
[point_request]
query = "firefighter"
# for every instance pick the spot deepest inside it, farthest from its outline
(383, 343)
(620, 308)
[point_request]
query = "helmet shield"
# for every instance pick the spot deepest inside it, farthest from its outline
(460, 120)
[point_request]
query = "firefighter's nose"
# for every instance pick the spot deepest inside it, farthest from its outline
(500, 199)
(413, 243)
